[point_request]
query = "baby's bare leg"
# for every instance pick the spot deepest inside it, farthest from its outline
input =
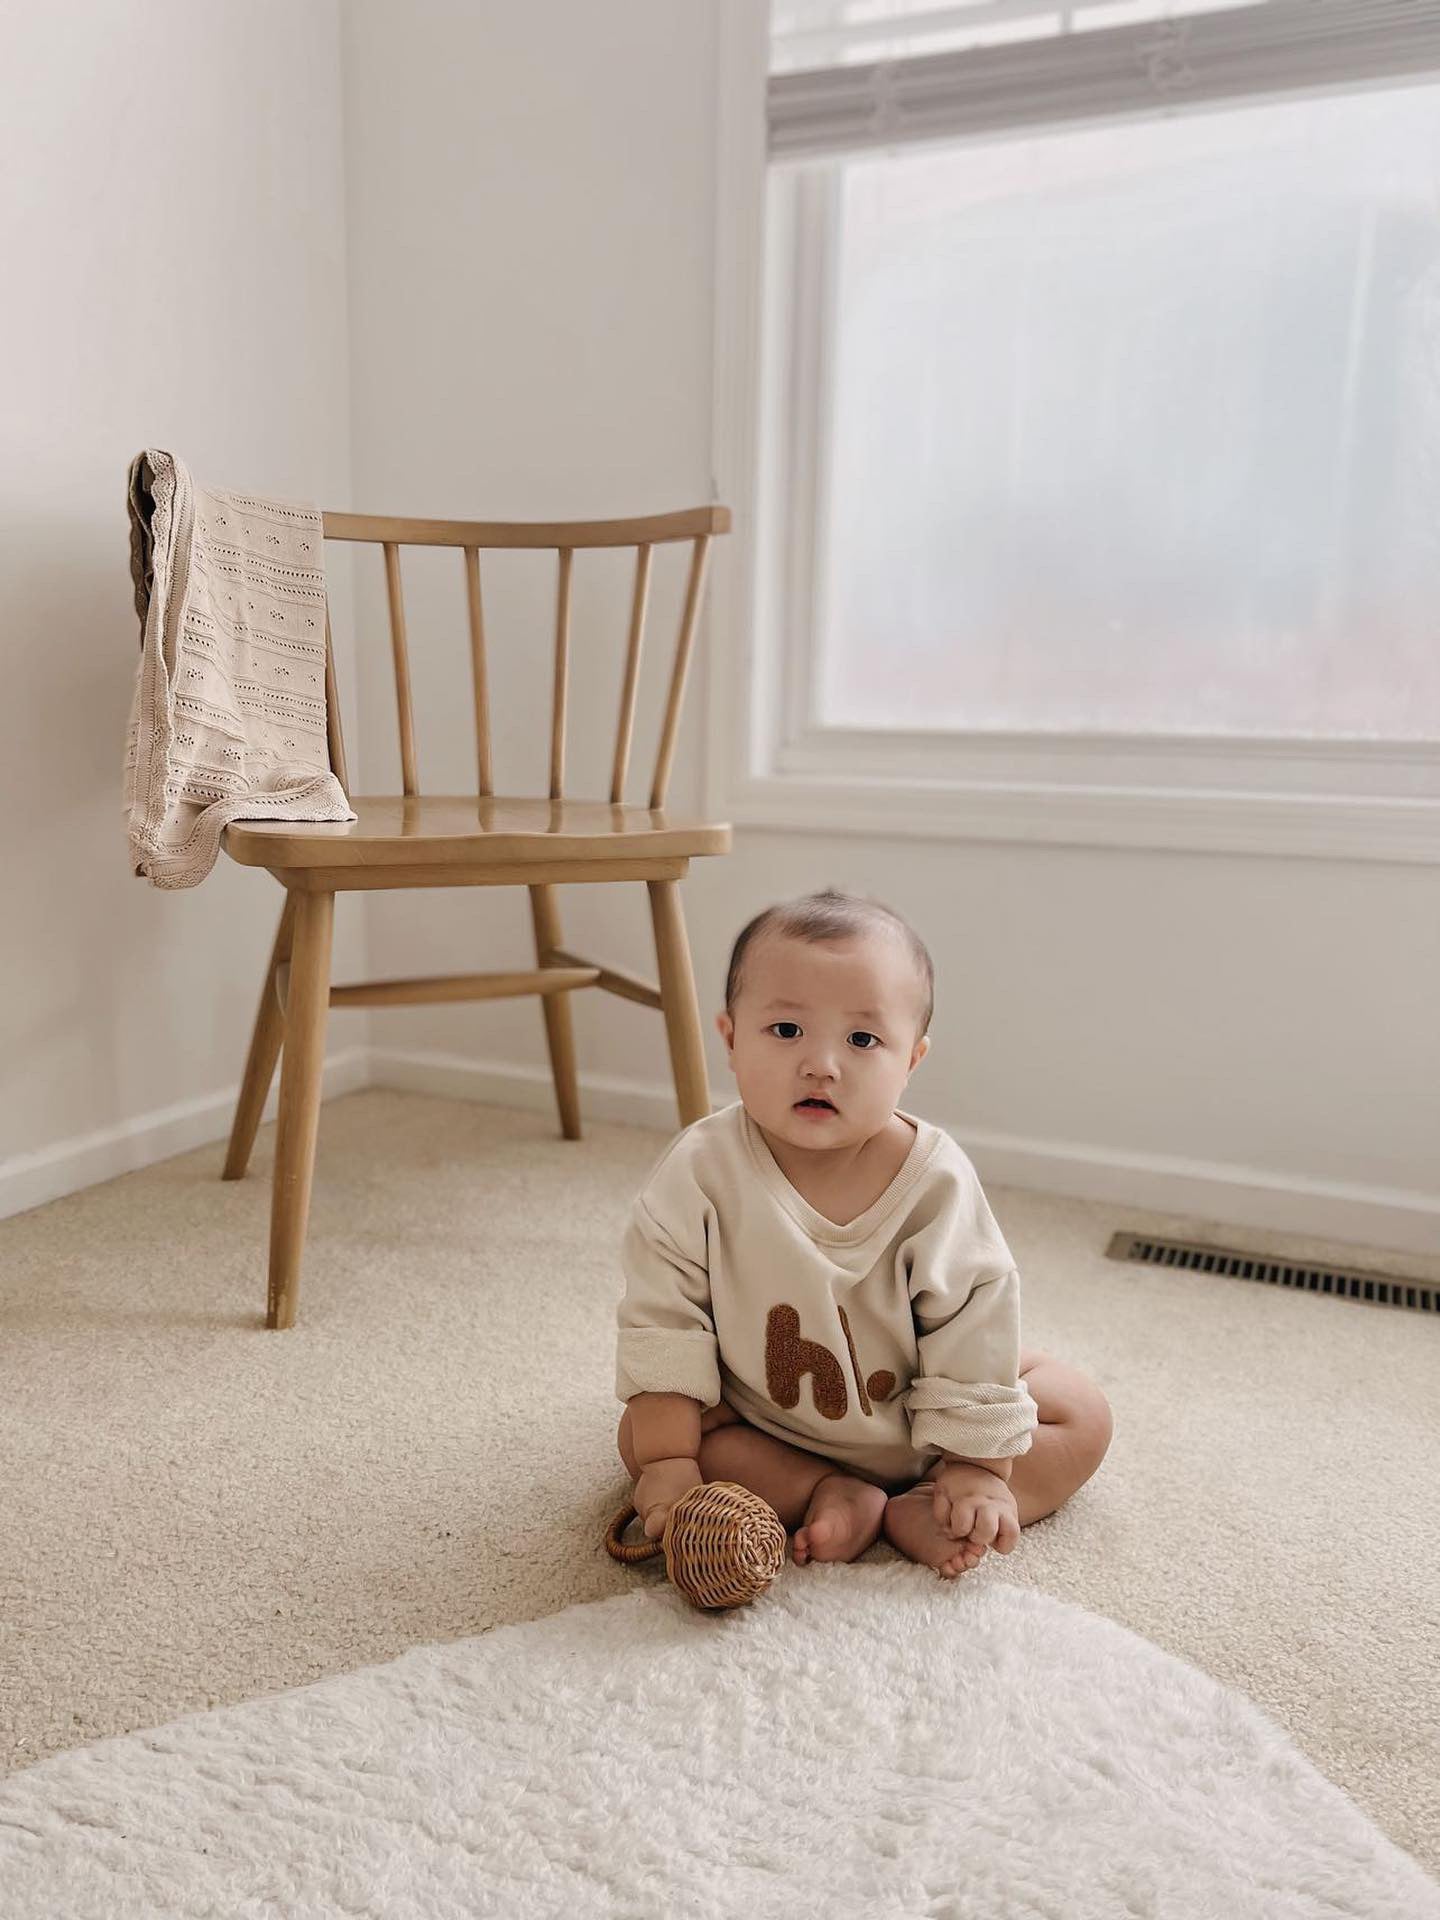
(833, 1515)
(1065, 1449)
(1070, 1441)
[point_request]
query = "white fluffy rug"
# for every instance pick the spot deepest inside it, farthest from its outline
(864, 1741)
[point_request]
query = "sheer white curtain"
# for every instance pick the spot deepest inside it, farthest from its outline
(1128, 428)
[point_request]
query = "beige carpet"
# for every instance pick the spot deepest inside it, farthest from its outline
(193, 1512)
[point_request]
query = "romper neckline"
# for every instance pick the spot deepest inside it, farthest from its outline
(819, 1226)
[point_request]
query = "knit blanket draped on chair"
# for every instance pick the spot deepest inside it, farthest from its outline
(228, 720)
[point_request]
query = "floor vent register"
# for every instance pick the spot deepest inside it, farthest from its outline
(1345, 1283)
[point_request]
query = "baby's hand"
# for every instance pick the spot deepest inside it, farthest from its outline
(660, 1485)
(976, 1506)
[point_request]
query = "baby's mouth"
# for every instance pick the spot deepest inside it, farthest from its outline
(816, 1103)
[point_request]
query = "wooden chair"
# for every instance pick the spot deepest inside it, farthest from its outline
(407, 840)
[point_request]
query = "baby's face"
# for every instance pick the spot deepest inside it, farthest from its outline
(824, 1035)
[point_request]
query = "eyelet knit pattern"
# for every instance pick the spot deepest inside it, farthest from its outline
(228, 718)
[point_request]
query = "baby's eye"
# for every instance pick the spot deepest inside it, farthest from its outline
(866, 1042)
(784, 1030)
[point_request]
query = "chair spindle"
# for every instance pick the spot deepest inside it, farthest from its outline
(625, 728)
(683, 648)
(334, 737)
(402, 668)
(562, 675)
(482, 684)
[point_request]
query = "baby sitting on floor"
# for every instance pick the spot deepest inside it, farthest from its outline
(818, 1302)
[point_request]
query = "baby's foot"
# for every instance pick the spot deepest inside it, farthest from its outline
(841, 1521)
(912, 1529)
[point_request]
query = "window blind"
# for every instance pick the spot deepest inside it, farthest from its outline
(850, 75)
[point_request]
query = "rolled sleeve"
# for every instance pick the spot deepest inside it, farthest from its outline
(981, 1420)
(665, 1340)
(658, 1360)
(967, 1396)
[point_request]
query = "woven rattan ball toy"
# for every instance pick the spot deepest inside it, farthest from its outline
(723, 1545)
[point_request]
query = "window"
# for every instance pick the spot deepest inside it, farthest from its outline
(1098, 448)
(1130, 429)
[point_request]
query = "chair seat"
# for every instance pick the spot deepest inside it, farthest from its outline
(393, 830)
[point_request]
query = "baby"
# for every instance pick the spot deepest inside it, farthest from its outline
(818, 1302)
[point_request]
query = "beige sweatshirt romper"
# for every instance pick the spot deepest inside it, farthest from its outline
(875, 1344)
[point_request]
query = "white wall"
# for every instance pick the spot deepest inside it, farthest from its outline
(517, 206)
(532, 219)
(172, 225)
(531, 230)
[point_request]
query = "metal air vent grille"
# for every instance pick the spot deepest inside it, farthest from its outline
(1345, 1283)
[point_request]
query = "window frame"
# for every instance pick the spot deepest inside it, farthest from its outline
(769, 764)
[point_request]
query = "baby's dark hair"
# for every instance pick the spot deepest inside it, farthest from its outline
(831, 915)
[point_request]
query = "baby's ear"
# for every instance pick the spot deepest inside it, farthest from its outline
(725, 1027)
(922, 1047)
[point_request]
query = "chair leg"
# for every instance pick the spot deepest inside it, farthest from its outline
(677, 996)
(265, 1044)
(307, 1004)
(559, 1023)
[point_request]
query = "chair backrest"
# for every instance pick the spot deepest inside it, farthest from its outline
(472, 537)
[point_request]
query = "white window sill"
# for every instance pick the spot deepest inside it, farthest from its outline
(1267, 814)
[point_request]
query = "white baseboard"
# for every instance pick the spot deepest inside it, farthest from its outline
(503, 1083)
(1231, 1195)
(30, 1179)
(1228, 1195)
(1218, 1191)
